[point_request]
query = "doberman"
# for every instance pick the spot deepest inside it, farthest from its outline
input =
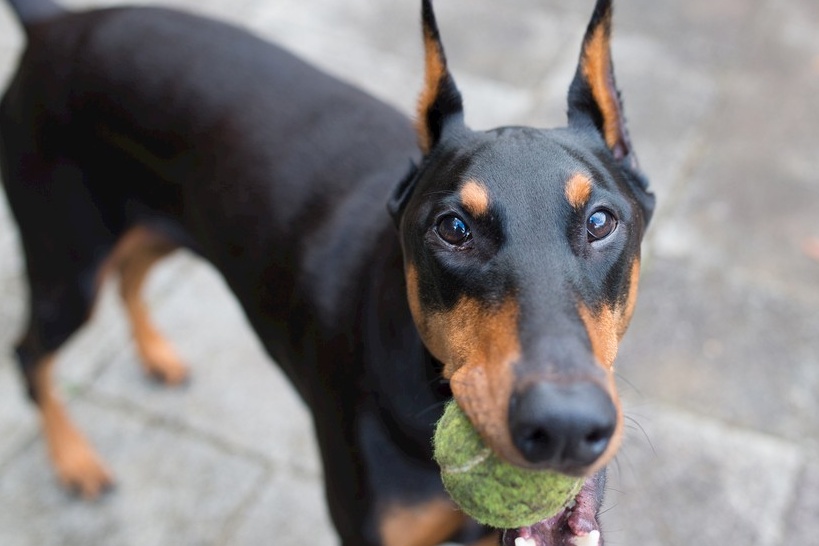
(498, 267)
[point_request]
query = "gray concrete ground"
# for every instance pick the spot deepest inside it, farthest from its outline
(720, 371)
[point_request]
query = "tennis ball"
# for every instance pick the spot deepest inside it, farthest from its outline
(493, 492)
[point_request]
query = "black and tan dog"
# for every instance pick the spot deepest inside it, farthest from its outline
(512, 273)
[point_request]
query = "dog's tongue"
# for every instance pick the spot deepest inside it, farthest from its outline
(576, 525)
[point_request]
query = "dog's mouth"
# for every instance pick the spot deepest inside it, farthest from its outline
(575, 525)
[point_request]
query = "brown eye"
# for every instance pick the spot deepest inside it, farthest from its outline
(600, 225)
(453, 230)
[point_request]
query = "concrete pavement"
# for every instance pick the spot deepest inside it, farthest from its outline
(720, 370)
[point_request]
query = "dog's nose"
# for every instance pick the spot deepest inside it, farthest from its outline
(564, 426)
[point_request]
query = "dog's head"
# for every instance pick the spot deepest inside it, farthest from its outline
(522, 254)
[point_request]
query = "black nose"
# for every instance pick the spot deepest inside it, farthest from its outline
(566, 426)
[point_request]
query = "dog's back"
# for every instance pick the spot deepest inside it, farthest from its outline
(30, 12)
(246, 160)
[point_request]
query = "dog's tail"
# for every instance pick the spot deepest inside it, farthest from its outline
(34, 11)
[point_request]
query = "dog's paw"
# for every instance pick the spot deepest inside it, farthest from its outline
(79, 468)
(162, 363)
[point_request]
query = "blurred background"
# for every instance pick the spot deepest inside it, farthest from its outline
(719, 372)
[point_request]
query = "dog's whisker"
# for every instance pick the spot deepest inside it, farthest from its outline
(432, 408)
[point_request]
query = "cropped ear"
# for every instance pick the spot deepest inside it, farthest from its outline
(593, 95)
(440, 101)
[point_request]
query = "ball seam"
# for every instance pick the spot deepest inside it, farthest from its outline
(472, 463)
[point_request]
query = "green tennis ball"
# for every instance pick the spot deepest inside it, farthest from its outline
(493, 492)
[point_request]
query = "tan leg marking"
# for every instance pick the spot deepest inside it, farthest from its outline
(138, 251)
(77, 465)
(427, 524)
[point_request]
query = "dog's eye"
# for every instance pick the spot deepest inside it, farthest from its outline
(453, 230)
(600, 225)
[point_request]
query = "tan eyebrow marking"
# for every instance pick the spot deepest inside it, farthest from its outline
(475, 198)
(578, 190)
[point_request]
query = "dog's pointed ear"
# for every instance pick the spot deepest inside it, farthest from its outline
(440, 102)
(439, 107)
(593, 95)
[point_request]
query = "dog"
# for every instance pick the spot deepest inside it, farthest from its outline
(385, 267)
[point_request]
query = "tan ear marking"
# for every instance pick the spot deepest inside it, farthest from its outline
(439, 101)
(434, 72)
(597, 70)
